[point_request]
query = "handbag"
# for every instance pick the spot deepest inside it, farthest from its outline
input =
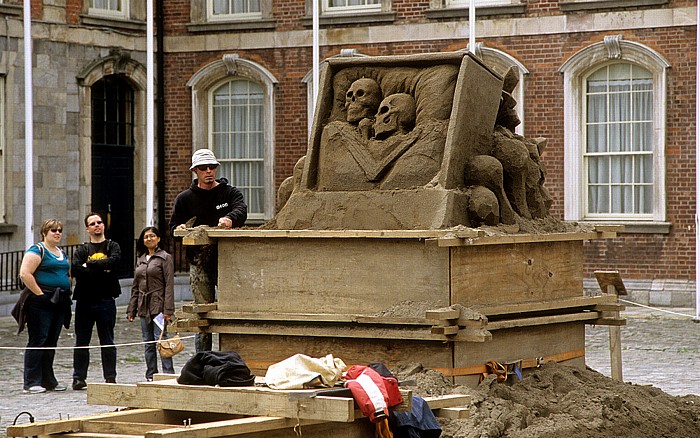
(169, 347)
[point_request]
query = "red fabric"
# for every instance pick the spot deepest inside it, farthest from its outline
(373, 393)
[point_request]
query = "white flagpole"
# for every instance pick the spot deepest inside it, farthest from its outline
(315, 52)
(28, 130)
(472, 22)
(150, 160)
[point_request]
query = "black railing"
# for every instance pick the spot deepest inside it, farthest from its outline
(10, 263)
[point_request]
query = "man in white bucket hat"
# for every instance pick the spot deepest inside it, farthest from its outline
(212, 202)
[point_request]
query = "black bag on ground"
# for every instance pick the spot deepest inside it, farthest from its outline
(223, 368)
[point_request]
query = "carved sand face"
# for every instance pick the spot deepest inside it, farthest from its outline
(396, 114)
(362, 99)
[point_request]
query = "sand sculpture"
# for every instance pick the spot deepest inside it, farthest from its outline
(414, 142)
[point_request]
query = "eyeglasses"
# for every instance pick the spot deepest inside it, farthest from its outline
(92, 224)
(204, 167)
(56, 230)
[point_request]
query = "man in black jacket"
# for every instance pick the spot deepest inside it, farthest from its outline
(212, 202)
(94, 267)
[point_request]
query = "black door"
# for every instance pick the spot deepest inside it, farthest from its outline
(113, 163)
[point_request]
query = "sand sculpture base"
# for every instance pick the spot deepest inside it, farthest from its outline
(451, 300)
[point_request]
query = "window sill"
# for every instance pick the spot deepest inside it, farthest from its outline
(222, 26)
(585, 5)
(636, 227)
(8, 228)
(344, 19)
(506, 9)
(10, 10)
(91, 20)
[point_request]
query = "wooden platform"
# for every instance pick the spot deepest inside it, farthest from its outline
(164, 408)
(357, 294)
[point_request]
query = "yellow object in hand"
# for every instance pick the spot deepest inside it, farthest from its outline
(97, 256)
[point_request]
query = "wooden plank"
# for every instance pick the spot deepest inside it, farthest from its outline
(447, 330)
(457, 413)
(541, 320)
(199, 308)
(233, 427)
(563, 303)
(121, 427)
(448, 400)
(97, 435)
(307, 330)
(507, 274)
(507, 239)
(340, 234)
(285, 275)
(446, 313)
(62, 426)
(243, 401)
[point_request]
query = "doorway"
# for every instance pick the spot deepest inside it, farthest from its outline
(113, 163)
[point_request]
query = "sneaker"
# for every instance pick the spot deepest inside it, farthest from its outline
(58, 387)
(35, 390)
(79, 384)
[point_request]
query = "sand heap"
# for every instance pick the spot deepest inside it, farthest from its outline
(560, 401)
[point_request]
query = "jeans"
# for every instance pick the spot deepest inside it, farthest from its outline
(151, 332)
(44, 324)
(102, 314)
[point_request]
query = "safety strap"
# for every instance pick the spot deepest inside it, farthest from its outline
(502, 368)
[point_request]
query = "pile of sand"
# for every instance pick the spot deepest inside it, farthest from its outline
(560, 401)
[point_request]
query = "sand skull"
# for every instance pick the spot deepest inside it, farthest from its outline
(362, 99)
(397, 114)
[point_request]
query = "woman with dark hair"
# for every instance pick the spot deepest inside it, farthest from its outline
(45, 306)
(153, 296)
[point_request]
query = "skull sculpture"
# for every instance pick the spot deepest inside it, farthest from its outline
(362, 99)
(397, 114)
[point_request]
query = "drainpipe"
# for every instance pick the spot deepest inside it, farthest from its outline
(160, 115)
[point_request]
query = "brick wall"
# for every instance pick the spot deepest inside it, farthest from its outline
(636, 256)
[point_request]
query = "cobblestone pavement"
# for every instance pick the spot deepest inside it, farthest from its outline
(658, 348)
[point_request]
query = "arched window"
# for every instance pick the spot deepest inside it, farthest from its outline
(238, 138)
(614, 123)
(233, 116)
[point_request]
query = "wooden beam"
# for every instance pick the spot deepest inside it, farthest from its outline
(169, 394)
(564, 303)
(234, 427)
(541, 320)
(448, 401)
(72, 425)
(456, 413)
(199, 308)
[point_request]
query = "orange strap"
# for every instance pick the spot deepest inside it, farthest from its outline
(382, 429)
(525, 363)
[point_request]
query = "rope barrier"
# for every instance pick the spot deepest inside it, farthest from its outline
(128, 344)
(656, 308)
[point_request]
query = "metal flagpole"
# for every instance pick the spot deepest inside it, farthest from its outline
(472, 22)
(28, 129)
(315, 52)
(150, 161)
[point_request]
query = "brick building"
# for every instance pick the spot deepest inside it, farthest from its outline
(610, 83)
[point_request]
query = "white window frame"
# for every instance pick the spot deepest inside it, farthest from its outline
(211, 17)
(575, 71)
(228, 158)
(327, 9)
(122, 13)
(212, 76)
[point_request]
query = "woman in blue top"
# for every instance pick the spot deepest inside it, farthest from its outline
(45, 273)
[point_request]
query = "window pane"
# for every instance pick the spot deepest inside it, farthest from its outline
(597, 108)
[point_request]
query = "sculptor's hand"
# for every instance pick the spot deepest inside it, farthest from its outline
(225, 222)
(181, 227)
